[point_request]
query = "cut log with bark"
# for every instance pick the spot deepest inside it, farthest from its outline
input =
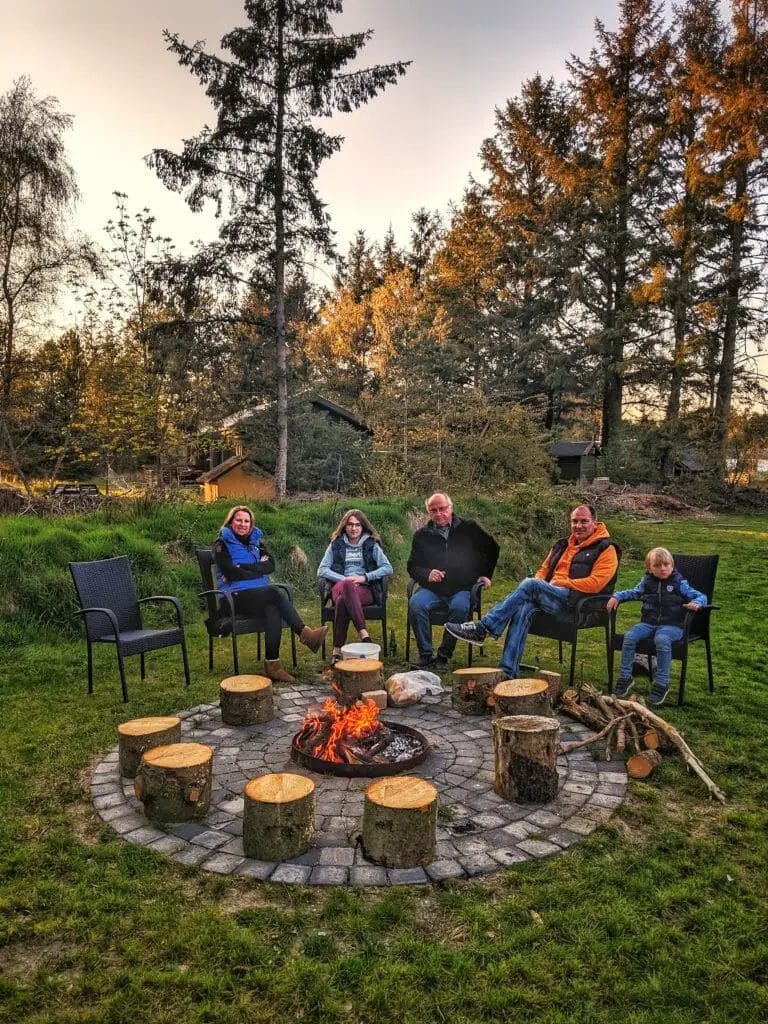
(400, 822)
(553, 681)
(246, 700)
(356, 676)
(525, 751)
(278, 816)
(472, 692)
(521, 697)
(640, 766)
(141, 734)
(174, 782)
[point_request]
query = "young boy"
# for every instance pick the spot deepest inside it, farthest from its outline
(666, 596)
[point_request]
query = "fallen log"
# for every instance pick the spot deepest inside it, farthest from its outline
(640, 766)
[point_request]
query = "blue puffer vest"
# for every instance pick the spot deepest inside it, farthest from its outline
(241, 554)
(662, 600)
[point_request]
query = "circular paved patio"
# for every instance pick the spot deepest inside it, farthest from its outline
(477, 831)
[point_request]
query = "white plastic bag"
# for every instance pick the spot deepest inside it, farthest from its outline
(409, 687)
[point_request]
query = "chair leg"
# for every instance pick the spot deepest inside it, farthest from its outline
(210, 653)
(609, 658)
(709, 665)
(185, 659)
(683, 673)
(235, 661)
(573, 660)
(121, 669)
(143, 667)
(469, 655)
(90, 668)
(293, 649)
(258, 647)
(384, 647)
(560, 653)
(407, 636)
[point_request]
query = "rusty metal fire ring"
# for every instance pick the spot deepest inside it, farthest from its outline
(364, 771)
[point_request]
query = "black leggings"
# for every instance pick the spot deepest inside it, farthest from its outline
(271, 604)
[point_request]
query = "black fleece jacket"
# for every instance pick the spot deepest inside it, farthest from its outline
(467, 553)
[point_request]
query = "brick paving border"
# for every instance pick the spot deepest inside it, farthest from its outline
(477, 831)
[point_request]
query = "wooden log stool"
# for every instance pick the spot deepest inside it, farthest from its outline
(356, 676)
(141, 734)
(174, 782)
(521, 697)
(525, 749)
(472, 692)
(400, 822)
(246, 700)
(553, 680)
(279, 816)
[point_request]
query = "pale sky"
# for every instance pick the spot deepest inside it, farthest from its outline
(414, 145)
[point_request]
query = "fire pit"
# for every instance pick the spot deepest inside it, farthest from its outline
(355, 742)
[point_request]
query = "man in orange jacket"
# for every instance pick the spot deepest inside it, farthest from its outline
(583, 563)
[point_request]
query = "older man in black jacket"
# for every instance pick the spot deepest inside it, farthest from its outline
(448, 556)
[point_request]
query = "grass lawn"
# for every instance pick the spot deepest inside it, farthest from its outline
(661, 915)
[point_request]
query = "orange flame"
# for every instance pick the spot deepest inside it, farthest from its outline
(358, 722)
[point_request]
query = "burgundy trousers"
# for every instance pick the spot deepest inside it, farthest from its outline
(350, 599)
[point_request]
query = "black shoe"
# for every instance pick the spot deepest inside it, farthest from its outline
(442, 661)
(472, 632)
(425, 661)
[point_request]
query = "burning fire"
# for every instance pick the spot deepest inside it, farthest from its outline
(331, 733)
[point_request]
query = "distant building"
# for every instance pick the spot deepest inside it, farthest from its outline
(576, 460)
(230, 480)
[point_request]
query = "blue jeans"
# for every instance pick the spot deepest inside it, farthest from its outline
(663, 637)
(423, 603)
(517, 609)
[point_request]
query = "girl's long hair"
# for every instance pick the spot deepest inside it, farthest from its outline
(364, 522)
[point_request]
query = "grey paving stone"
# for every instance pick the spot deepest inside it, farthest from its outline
(478, 864)
(222, 863)
(234, 846)
(488, 820)
(538, 848)
(144, 835)
(235, 806)
(103, 803)
(368, 874)
(506, 857)
(583, 826)
(562, 837)
(331, 839)
(338, 856)
(210, 840)
(578, 787)
(328, 875)
(107, 787)
(407, 876)
(127, 823)
(168, 844)
(294, 874)
(598, 814)
(545, 819)
(469, 846)
(191, 856)
(111, 813)
(256, 869)
(444, 869)
(311, 857)
(520, 829)
(605, 800)
(188, 829)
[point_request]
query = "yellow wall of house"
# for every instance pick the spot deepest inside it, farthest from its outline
(237, 484)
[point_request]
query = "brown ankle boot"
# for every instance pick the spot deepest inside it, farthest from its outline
(313, 638)
(274, 670)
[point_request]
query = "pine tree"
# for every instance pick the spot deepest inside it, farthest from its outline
(260, 160)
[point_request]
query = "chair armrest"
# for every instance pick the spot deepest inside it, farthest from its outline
(590, 603)
(220, 595)
(101, 611)
(287, 588)
(324, 588)
(476, 598)
(168, 600)
(412, 584)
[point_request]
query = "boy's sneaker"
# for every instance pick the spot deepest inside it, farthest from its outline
(472, 632)
(623, 687)
(658, 695)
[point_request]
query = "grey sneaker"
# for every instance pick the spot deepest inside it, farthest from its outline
(472, 632)
(658, 695)
(623, 687)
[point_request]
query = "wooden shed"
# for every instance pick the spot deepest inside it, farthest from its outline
(230, 480)
(576, 460)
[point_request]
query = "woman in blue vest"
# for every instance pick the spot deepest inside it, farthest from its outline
(243, 565)
(353, 566)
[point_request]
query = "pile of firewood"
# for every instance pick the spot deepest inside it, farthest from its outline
(629, 729)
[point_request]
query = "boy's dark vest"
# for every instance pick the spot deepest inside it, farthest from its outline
(583, 561)
(662, 600)
(338, 547)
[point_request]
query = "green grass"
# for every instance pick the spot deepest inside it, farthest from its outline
(659, 916)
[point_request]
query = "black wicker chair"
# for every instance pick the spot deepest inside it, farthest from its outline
(112, 615)
(438, 618)
(700, 571)
(222, 620)
(586, 612)
(376, 612)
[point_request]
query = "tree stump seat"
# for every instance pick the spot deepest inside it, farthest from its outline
(521, 697)
(141, 734)
(525, 750)
(279, 816)
(356, 676)
(472, 692)
(174, 782)
(246, 700)
(400, 822)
